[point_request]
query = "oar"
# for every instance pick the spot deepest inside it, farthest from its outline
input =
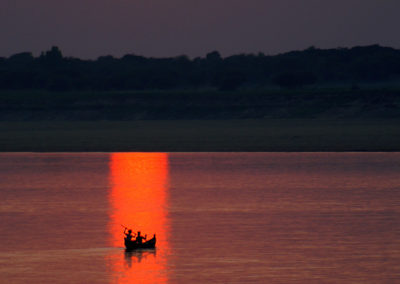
(125, 227)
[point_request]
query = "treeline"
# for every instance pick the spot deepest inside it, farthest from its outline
(52, 71)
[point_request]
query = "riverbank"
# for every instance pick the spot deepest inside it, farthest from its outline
(307, 103)
(247, 135)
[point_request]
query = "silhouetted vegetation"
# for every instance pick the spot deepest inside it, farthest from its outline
(313, 83)
(52, 71)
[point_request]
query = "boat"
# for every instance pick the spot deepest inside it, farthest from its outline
(133, 245)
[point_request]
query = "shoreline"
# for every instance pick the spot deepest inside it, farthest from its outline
(266, 135)
(182, 105)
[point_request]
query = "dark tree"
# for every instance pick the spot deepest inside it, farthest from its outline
(132, 72)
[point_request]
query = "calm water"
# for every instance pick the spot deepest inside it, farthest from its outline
(219, 217)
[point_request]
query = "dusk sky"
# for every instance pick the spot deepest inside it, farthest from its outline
(160, 28)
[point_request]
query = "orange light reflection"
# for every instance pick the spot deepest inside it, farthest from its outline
(138, 199)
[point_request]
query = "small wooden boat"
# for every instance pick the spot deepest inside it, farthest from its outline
(133, 245)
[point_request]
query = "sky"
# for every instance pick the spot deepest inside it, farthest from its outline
(166, 28)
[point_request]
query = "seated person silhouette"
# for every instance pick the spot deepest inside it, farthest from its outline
(128, 236)
(140, 238)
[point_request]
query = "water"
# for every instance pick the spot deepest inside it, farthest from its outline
(219, 217)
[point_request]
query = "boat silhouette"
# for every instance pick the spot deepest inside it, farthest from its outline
(135, 245)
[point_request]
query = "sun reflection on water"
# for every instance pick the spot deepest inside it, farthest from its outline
(138, 200)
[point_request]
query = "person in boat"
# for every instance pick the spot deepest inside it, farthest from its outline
(140, 238)
(128, 235)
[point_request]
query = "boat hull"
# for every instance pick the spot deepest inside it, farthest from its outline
(132, 245)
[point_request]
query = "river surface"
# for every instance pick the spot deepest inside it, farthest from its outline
(218, 217)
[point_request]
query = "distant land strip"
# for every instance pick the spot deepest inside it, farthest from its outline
(301, 103)
(307, 119)
(261, 135)
(345, 99)
(52, 71)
